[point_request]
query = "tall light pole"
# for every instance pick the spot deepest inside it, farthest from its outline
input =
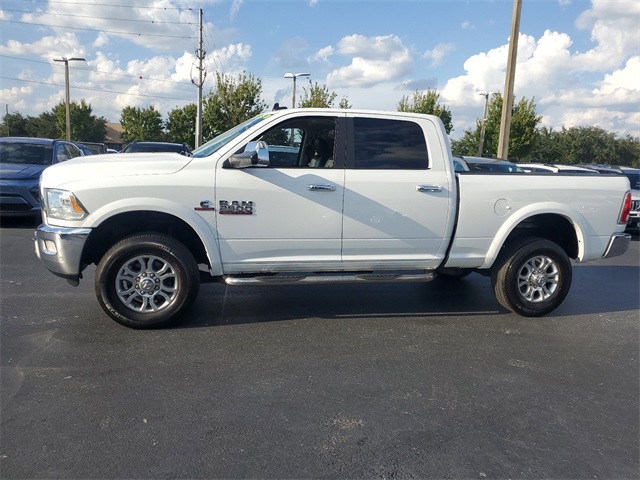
(66, 88)
(484, 120)
(295, 76)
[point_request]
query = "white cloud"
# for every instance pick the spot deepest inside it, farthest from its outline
(627, 78)
(437, 53)
(373, 60)
(65, 45)
(614, 30)
(235, 7)
(550, 72)
(323, 55)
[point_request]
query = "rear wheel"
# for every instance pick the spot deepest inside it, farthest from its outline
(147, 281)
(532, 278)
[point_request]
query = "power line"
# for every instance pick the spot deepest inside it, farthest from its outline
(96, 30)
(95, 89)
(110, 5)
(97, 71)
(42, 14)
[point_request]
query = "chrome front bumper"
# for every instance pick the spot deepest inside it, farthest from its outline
(618, 244)
(60, 249)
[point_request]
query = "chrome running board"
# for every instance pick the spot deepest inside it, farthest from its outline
(316, 279)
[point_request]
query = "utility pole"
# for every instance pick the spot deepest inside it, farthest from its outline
(6, 120)
(484, 120)
(507, 105)
(201, 76)
(66, 90)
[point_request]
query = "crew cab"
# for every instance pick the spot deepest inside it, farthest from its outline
(307, 196)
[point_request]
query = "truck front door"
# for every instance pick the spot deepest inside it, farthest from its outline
(287, 215)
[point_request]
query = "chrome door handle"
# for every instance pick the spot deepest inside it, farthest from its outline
(428, 188)
(321, 188)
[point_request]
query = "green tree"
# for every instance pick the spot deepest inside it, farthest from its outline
(344, 103)
(44, 126)
(585, 145)
(142, 124)
(317, 96)
(14, 125)
(523, 134)
(232, 102)
(427, 103)
(84, 125)
(181, 124)
(628, 151)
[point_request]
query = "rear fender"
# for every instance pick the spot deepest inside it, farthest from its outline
(580, 227)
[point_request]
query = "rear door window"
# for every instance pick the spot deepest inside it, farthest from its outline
(385, 144)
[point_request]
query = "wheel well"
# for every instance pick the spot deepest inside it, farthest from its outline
(550, 226)
(122, 225)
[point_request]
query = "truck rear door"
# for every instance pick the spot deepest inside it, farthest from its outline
(399, 196)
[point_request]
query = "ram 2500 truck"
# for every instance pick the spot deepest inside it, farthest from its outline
(319, 196)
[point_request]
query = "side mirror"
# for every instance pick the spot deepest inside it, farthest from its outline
(256, 154)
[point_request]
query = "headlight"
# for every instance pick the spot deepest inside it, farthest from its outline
(64, 205)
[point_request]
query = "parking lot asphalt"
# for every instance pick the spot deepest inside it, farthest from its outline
(352, 381)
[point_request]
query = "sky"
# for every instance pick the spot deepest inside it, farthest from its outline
(579, 60)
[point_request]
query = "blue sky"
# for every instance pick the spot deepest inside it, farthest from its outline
(580, 60)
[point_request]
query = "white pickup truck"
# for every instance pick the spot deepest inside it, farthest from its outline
(319, 196)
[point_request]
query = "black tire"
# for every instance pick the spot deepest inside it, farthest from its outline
(532, 278)
(147, 281)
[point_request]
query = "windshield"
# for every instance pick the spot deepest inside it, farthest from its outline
(221, 140)
(26, 153)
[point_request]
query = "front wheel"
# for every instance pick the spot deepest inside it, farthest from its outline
(533, 278)
(147, 281)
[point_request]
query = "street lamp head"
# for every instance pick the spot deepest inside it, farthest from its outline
(65, 59)
(296, 75)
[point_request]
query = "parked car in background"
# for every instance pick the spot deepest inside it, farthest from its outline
(601, 168)
(112, 150)
(22, 160)
(487, 165)
(557, 168)
(83, 148)
(95, 147)
(633, 174)
(148, 147)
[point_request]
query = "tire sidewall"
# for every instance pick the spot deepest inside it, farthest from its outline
(509, 273)
(170, 251)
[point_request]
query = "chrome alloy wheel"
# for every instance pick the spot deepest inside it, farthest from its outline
(538, 279)
(147, 283)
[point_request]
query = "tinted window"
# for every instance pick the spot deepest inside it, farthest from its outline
(389, 144)
(26, 153)
(72, 151)
(634, 180)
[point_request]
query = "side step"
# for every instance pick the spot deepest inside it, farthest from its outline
(317, 279)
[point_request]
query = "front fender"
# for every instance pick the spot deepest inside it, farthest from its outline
(197, 221)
